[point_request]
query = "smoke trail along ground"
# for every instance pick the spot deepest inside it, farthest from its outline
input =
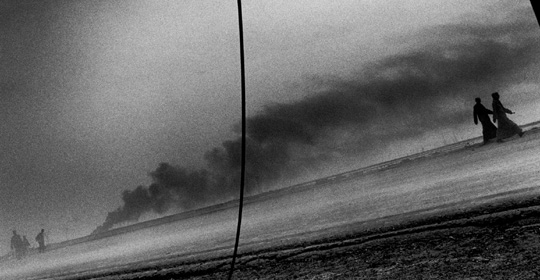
(396, 98)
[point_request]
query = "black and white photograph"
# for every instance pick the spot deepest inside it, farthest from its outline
(269, 139)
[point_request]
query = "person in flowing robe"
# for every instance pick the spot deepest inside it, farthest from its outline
(16, 245)
(40, 238)
(489, 130)
(506, 128)
(25, 245)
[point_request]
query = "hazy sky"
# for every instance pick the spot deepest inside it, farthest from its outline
(96, 94)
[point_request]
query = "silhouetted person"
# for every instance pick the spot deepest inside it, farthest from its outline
(505, 128)
(16, 245)
(489, 130)
(25, 245)
(40, 238)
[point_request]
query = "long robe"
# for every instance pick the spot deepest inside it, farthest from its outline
(505, 128)
(489, 130)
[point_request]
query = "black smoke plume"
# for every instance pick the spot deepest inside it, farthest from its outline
(399, 97)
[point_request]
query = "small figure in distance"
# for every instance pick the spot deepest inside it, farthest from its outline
(489, 130)
(25, 245)
(506, 128)
(16, 245)
(40, 238)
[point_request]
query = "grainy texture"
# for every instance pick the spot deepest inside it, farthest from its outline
(498, 241)
(486, 252)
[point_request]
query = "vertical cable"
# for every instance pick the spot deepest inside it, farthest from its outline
(243, 156)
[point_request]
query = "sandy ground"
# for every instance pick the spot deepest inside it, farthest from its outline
(500, 240)
(494, 246)
(461, 225)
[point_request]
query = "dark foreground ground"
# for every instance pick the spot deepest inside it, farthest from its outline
(496, 240)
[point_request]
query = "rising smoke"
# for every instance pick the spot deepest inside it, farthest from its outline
(399, 97)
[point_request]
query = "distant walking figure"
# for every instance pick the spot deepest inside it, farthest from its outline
(506, 128)
(17, 245)
(25, 245)
(489, 130)
(40, 238)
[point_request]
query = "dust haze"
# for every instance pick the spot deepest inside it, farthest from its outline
(396, 98)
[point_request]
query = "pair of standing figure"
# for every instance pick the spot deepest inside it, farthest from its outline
(507, 128)
(19, 245)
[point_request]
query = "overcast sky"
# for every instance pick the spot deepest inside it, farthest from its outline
(96, 94)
